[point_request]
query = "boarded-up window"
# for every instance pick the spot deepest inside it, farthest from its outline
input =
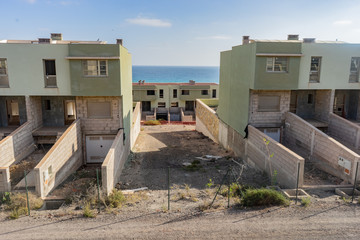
(99, 110)
(269, 104)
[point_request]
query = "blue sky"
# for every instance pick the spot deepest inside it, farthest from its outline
(180, 32)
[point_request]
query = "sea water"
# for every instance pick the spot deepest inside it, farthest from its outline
(175, 74)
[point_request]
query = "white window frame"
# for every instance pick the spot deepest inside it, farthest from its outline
(272, 64)
(98, 68)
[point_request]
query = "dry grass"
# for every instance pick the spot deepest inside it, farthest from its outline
(17, 204)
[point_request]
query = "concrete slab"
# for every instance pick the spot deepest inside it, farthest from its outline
(346, 192)
(291, 193)
(49, 131)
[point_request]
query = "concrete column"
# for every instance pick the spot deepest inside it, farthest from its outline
(357, 139)
(332, 97)
(312, 142)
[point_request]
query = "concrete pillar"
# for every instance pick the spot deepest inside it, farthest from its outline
(312, 142)
(357, 139)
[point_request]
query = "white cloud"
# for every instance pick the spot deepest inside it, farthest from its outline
(342, 22)
(215, 37)
(151, 22)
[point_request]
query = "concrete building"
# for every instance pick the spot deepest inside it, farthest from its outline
(294, 92)
(73, 94)
(172, 101)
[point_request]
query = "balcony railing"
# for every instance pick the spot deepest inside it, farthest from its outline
(354, 77)
(50, 81)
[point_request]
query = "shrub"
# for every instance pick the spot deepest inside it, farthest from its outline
(306, 202)
(152, 122)
(88, 212)
(263, 197)
(195, 165)
(18, 201)
(115, 199)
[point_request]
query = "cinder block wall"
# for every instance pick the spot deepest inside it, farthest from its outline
(268, 119)
(344, 130)
(64, 158)
(284, 161)
(323, 104)
(99, 126)
(114, 162)
(318, 147)
(207, 121)
(135, 126)
(5, 185)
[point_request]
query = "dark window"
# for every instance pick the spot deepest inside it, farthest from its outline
(150, 92)
(315, 69)
(214, 93)
(204, 92)
(175, 93)
(174, 104)
(161, 104)
(47, 105)
(50, 73)
(268, 103)
(354, 69)
(310, 99)
(185, 92)
(161, 93)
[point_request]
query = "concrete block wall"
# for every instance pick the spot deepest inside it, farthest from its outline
(318, 147)
(114, 162)
(135, 126)
(64, 158)
(33, 111)
(207, 121)
(184, 117)
(99, 125)
(268, 119)
(324, 100)
(347, 132)
(5, 185)
(284, 161)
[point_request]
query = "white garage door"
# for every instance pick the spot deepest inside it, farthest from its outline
(97, 147)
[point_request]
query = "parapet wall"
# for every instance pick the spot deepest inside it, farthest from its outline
(64, 158)
(325, 152)
(270, 156)
(207, 121)
(346, 131)
(114, 162)
(135, 126)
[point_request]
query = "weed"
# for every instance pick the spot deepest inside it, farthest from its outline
(5, 198)
(195, 165)
(152, 122)
(306, 202)
(210, 183)
(142, 129)
(115, 199)
(263, 197)
(17, 201)
(204, 206)
(88, 212)
(164, 209)
(17, 212)
(274, 178)
(187, 188)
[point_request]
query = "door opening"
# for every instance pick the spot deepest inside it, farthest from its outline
(13, 113)
(70, 111)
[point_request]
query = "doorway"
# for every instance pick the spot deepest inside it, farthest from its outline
(189, 105)
(97, 147)
(146, 106)
(13, 117)
(70, 111)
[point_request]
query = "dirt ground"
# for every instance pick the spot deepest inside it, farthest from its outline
(145, 215)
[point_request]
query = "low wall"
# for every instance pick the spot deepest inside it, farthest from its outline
(135, 126)
(207, 121)
(324, 151)
(283, 160)
(185, 118)
(114, 163)
(344, 130)
(5, 185)
(64, 158)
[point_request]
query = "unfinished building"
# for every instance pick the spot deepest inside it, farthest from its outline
(71, 98)
(301, 96)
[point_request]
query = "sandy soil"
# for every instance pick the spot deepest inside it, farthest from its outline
(145, 216)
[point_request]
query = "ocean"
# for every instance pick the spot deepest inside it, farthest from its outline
(175, 74)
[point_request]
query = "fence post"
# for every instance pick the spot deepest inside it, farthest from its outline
(229, 179)
(27, 194)
(98, 188)
(222, 182)
(356, 172)
(297, 183)
(168, 188)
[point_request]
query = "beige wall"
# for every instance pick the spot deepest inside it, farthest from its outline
(5, 185)
(33, 111)
(321, 149)
(268, 119)
(344, 130)
(284, 161)
(114, 162)
(135, 126)
(64, 158)
(207, 121)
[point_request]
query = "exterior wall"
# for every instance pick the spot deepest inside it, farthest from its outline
(268, 119)
(206, 121)
(56, 115)
(273, 80)
(284, 161)
(3, 109)
(17, 145)
(323, 104)
(114, 163)
(344, 130)
(5, 185)
(335, 65)
(99, 125)
(135, 127)
(323, 150)
(64, 158)
(81, 85)
(33, 111)
(26, 70)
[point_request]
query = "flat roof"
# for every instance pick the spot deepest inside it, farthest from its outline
(178, 84)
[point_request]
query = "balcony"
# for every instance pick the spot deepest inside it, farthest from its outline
(50, 81)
